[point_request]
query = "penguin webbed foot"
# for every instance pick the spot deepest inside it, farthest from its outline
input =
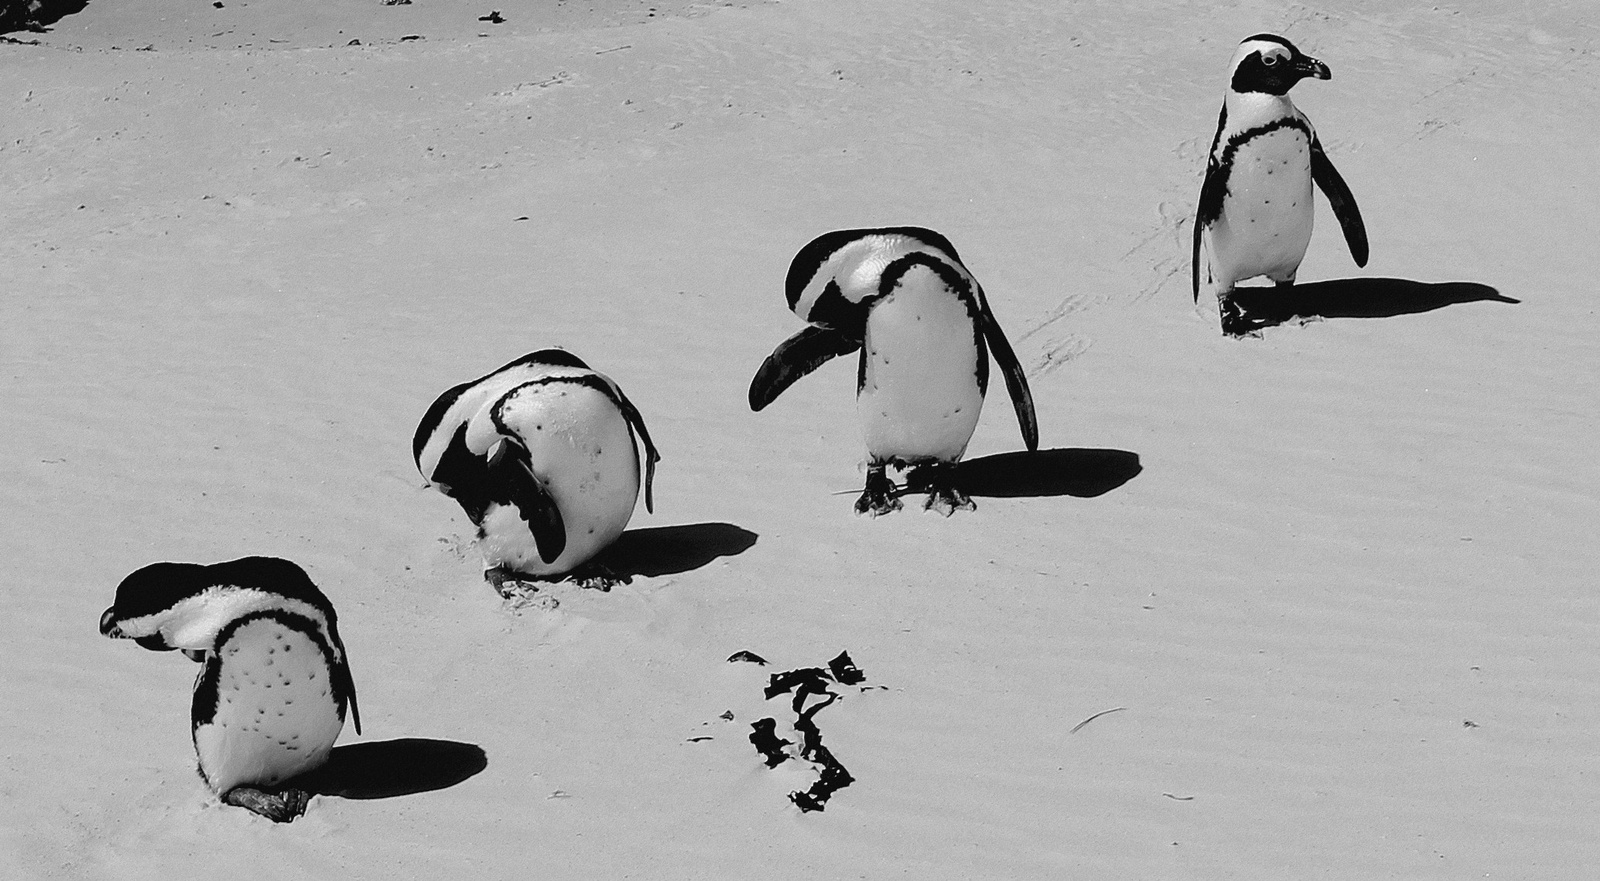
(502, 579)
(1234, 322)
(521, 589)
(879, 495)
(512, 585)
(938, 480)
(282, 806)
(947, 500)
(595, 576)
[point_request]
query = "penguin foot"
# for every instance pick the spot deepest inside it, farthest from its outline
(519, 601)
(520, 591)
(878, 496)
(509, 583)
(594, 576)
(938, 480)
(1233, 323)
(947, 500)
(279, 807)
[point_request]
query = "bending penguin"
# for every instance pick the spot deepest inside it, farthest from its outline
(542, 455)
(924, 329)
(1255, 212)
(274, 682)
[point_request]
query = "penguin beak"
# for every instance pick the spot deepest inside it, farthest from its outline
(108, 623)
(1311, 67)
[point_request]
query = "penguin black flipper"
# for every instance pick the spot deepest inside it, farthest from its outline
(343, 683)
(797, 356)
(1342, 200)
(1212, 190)
(1016, 380)
(651, 457)
(511, 468)
(349, 685)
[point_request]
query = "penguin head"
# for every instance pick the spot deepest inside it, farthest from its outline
(1270, 64)
(166, 606)
(147, 602)
(833, 277)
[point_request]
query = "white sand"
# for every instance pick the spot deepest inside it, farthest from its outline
(1347, 597)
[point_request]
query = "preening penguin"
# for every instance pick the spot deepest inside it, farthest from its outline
(543, 456)
(274, 681)
(901, 296)
(1255, 212)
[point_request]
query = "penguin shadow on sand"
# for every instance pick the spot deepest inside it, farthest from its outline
(1073, 471)
(391, 768)
(673, 550)
(1265, 307)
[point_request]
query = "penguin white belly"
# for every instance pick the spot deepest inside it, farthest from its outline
(580, 448)
(276, 715)
(1266, 220)
(919, 400)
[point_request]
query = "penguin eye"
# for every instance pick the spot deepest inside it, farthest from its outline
(1269, 60)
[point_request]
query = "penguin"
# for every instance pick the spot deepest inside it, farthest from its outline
(901, 296)
(274, 682)
(1255, 211)
(542, 455)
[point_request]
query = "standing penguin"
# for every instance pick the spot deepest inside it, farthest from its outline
(274, 682)
(541, 454)
(1255, 210)
(901, 296)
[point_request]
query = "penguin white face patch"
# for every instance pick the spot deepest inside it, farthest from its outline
(1273, 54)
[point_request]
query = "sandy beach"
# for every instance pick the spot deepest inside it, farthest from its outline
(1335, 582)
